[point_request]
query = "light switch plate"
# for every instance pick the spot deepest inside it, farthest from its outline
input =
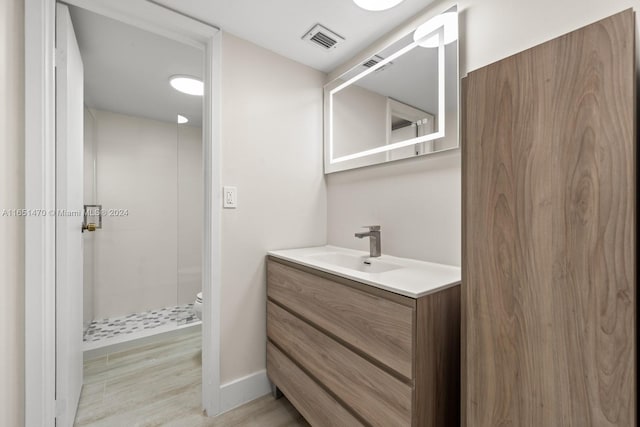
(229, 197)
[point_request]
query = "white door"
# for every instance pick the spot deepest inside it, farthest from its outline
(69, 192)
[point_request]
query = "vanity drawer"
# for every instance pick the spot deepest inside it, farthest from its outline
(315, 404)
(378, 323)
(378, 397)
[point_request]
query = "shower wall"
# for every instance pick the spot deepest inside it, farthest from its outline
(148, 240)
(190, 200)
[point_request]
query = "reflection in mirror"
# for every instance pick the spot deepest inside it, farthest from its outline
(400, 103)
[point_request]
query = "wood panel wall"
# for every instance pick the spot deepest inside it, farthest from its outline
(549, 233)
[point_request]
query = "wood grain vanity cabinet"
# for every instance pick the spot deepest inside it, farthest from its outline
(349, 354)
(549, 233)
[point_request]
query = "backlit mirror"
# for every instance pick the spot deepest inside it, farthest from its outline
(400, 103)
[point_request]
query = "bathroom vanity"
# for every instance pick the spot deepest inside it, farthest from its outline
(354, 340)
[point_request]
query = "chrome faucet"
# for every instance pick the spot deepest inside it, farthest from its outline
(374, 240)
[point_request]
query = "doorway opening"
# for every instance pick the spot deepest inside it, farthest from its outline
(46, 260)
(143, 183)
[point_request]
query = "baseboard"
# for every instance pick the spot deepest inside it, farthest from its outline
(243, 390)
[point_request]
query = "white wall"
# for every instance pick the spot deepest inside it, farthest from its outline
(418, 202)
(415, 201)
(272, 151)
(11, 228)
(136, 256)
(494, 29)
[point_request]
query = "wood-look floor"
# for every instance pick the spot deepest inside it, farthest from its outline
(160, 385)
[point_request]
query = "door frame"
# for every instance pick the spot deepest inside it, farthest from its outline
(40, 172)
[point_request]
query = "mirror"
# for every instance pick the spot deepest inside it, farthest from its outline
(400, 103)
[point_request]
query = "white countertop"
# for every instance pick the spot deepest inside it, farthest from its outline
(409, 277)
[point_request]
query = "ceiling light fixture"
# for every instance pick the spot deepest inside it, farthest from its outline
(187, 84)
(182, 119)
(377, 5)
(448, 20)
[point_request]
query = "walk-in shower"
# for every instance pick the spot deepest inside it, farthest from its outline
(142, 269)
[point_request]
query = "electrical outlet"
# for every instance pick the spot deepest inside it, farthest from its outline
(229, 197)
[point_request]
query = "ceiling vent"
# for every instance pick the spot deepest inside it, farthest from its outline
(323, 37)
(374, 60)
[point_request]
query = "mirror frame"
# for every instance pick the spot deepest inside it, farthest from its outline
(337, 83)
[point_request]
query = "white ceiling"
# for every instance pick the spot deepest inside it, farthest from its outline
(278, 25)
(127, 69)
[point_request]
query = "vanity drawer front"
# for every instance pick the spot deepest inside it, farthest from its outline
(377, 326)
(314, 403)
(378, 397)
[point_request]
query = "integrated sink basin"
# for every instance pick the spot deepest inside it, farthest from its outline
(404, 276)
(355, 262)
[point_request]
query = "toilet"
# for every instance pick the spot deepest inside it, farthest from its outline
(197, 306)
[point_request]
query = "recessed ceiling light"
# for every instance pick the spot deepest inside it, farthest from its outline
(448, 20)
(187, 84)
(182, 119)
(377, 5)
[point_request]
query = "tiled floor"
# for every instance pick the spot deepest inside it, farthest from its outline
(113, 327)
(160, 385)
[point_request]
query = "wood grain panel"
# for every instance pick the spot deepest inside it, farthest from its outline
(549, 273)
(464, 302)
(437, 386)
(316, 405)
(380, 328)
(369, 289)
(378, 397)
